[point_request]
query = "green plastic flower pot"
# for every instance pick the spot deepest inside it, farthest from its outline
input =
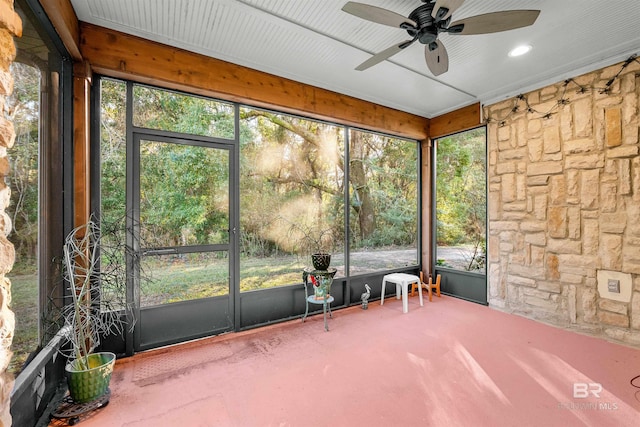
(90, 384)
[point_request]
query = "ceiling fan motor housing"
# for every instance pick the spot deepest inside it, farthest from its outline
(427, 29)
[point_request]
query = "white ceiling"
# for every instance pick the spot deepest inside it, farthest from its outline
(315, 42)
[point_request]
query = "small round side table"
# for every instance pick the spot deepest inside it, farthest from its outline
(321, 281)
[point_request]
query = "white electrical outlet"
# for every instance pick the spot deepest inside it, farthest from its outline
(613, 285)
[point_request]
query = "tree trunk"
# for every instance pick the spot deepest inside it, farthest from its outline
(361, 201)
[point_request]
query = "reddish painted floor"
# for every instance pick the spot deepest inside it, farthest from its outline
(449, 363)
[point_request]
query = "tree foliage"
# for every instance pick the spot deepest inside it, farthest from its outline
(23, 109)
(384, 182)
(113, 149)
(291, 172)
(461, 190)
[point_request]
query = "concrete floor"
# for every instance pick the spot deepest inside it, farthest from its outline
(449, 363)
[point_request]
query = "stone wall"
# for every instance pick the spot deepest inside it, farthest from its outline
(10, 26)
(564, 203)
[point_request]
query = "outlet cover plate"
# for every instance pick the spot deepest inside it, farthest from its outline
(624, 288)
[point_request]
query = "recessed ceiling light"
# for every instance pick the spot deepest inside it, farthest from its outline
(520, 50)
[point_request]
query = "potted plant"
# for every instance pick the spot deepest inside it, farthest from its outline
(314, 240)
(95, 273)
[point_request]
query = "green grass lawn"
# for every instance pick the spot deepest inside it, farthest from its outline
(269, 272)
(24, 303)
(180, 280)
(171, 279)
(200, 277)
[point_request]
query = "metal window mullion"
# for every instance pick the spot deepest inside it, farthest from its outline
(347, 214)
(234, 222)
(132, 212)
(191, 139)
(433, 152)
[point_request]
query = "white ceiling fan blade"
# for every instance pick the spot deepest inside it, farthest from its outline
(450, 5)
(377, 14)
(495, 22)
(381, 56)
(437, 58)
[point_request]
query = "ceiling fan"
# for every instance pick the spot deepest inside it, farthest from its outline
(427, 21)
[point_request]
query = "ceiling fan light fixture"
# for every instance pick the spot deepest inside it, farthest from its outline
(520, 50)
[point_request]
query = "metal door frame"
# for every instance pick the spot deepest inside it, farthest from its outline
(134, 337)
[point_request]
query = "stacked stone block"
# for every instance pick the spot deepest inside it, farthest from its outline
(564, 202)
(10, 26)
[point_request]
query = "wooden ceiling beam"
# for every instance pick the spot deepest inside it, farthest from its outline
(116, 54)
(65, 21)
(462, 119)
